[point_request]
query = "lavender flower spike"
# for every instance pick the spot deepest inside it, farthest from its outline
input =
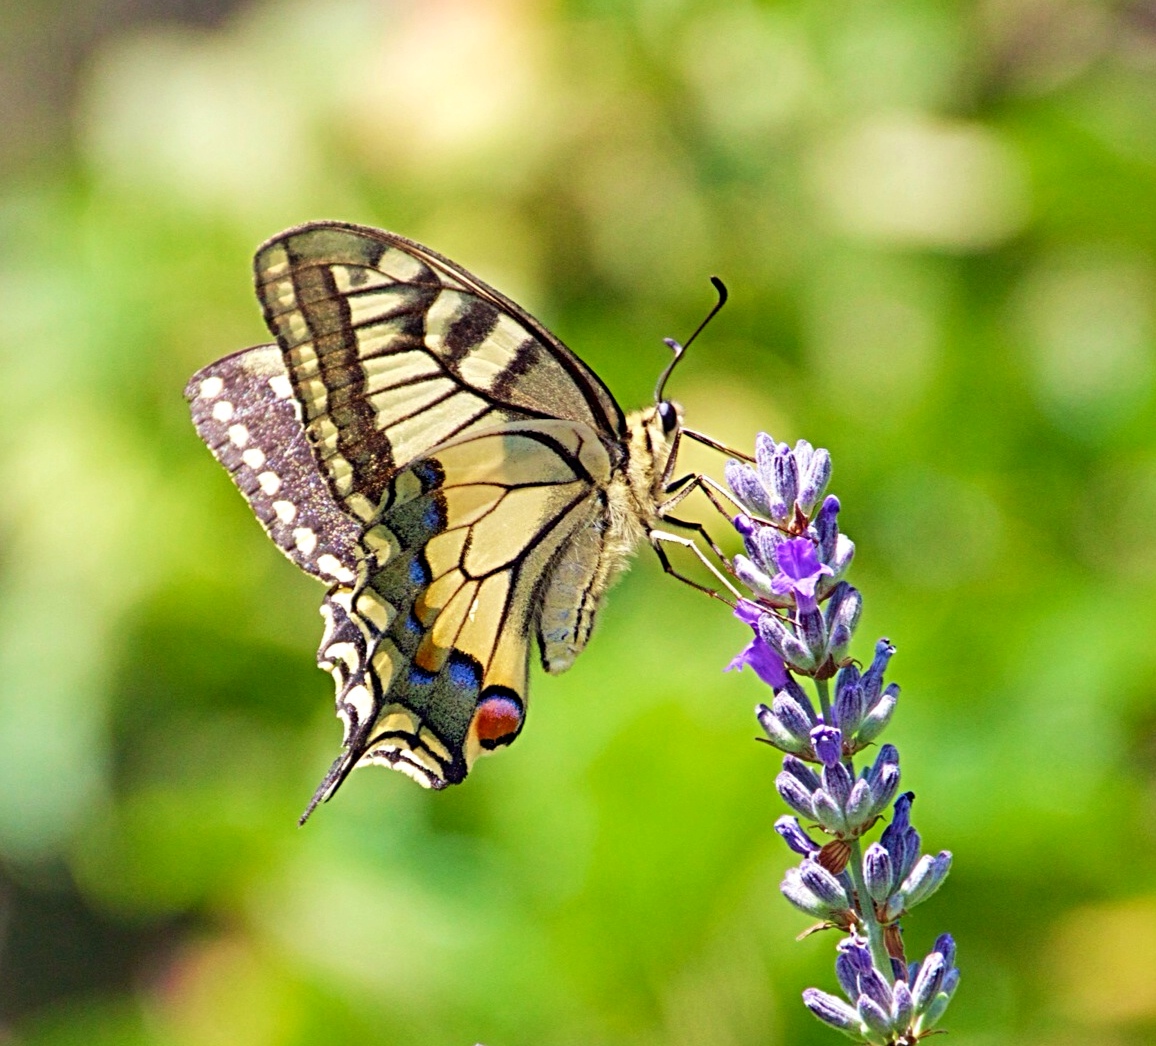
(804, 616)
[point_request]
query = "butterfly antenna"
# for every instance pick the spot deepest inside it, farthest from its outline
(678, 349)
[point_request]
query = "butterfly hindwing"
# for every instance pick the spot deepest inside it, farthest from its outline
(243, 408)
(429, 649)
(393, 349)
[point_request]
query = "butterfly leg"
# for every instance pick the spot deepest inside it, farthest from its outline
(658, 537)
(681, 488)
(702, 532)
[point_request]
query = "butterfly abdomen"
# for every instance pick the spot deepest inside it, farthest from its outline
(600, 551)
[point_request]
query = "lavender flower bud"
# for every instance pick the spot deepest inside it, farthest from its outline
(784, 643)
(823, 884)
(840, 558)
(754, 578)
(842, 618)
(795, 795)
(801, 772)
(873, 677)
(877, 1019)
(761, 544)
(883, 779)
(814, 475)
(901, 820)
(803, 453)
(793, 717)
(878, 872)
(847, 974)
(785, 487)
(829, 812)
(744, 483)
(874, 986)
(857, 953)
(848, 700)
(837, 782)
(924, 879)
(827, 528)
(927, 981)
(832, 1010)
(777, 733)
(794, 836)
(861, 806)
(935, 985)
(744, 525)
(879, 715)
(900, 838)
(827, 741)
(902, 1006)
(765, 450)
(814, 890)
(813, 633)
(801, 699)
(945, 945)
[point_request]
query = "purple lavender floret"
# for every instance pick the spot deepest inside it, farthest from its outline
(804, 616)
(758, 654)
(799, 572)
(827, 742)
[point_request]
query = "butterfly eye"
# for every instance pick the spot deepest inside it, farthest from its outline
(669, 417)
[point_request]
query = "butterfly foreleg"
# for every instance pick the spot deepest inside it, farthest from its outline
(658, 537)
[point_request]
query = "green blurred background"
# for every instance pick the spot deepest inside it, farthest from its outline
(938, 224)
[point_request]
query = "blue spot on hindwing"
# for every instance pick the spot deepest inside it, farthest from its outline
(434, 517)
(419, 572)
(429, 474)
(415, 522)
(465, 674)
(418, 676)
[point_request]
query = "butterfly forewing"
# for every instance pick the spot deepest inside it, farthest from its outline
(393, 349)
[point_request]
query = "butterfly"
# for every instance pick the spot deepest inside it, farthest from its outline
(460, 480)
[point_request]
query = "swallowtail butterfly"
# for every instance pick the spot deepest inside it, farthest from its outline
(459, 479)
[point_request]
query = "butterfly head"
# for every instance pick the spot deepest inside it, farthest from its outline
(652, 433)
